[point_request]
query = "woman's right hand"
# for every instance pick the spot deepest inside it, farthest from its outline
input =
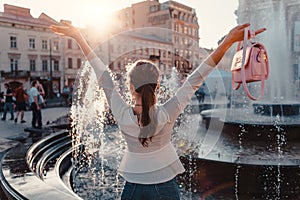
(68, 30)
(237, 33)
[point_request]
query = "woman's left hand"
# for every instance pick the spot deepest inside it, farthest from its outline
(66, 30)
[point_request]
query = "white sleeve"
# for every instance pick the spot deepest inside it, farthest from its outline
(183, 95)
(115, 101)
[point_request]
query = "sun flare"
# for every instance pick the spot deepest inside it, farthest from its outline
(99, 15)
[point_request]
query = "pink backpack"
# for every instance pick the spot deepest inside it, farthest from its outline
(250, 64)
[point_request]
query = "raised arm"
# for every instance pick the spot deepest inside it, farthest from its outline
(114, 99)
(182, 97)
(235, 35)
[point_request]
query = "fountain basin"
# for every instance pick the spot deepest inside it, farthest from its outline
(255, 127)
(224, 180)
(273, 109)
(35, 172)
(49, 173)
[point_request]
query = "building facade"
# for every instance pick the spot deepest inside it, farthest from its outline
(174, 22)
(30, 51)
(130, 46)
(167, 33)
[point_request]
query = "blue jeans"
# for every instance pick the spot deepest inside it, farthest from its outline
(36, 116)
(8, 106)
(161, 191)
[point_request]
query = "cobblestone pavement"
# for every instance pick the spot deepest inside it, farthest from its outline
(10, 130)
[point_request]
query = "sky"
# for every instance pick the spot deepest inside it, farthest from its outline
(215, 17)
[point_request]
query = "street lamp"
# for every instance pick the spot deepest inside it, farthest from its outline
(1, 80)
(50, 92)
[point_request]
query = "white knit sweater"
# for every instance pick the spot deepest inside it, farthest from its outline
(159, 161)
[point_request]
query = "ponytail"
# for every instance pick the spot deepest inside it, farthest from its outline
(148, 100)
(148, 119)
(144, 76)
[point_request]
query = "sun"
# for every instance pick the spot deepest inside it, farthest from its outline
(99, 15)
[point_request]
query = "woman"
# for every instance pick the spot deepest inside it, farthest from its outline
(41, 95)
(150, 164)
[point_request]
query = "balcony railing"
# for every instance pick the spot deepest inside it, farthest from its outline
(16, 74)
(45, 74)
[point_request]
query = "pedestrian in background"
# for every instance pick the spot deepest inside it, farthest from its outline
(200, 93)
(8, 104)
(21, 98)
(66, 95)
(35, 106)
(2, 100)
(41, 97)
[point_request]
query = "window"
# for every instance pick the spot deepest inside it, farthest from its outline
(56, 65)
(176, 51)
(13, 42)
(13, 64)
(119, 65)
(70, 63)
(176, 27)
(44, 65)
(152, 50)
(194, 32)
(185, 30)
(78, 63)
(32, 64)
(153, 8)
(189, 31)
(186, 41)
(164, 54)
(31, 43)
(69, 44)
(44, 44)
(55, 46)
(180, 28)
(296, 71)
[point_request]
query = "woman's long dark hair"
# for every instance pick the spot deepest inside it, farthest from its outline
(148, 101)
(144, 77)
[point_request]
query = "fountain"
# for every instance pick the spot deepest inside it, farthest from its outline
(255, 144)
(260, 139)
(279, 105)
(247, 151)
